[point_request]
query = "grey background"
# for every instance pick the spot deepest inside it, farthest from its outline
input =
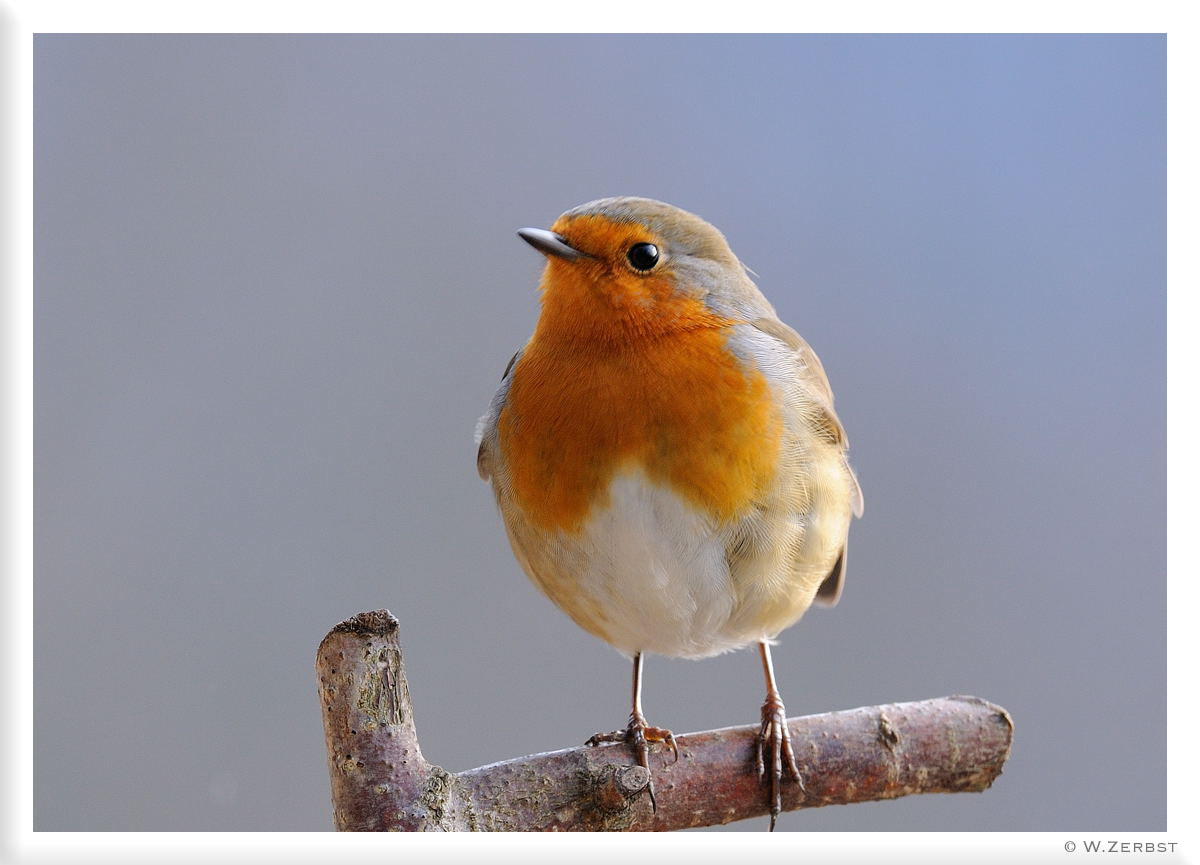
(276, 284)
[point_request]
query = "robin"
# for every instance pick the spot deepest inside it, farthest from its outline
(665, 454)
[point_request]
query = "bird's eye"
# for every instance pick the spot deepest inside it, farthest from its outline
(642, 256)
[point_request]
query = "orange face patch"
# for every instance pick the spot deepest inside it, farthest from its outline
(625, 372)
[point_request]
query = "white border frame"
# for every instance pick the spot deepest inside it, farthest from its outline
(19, 20)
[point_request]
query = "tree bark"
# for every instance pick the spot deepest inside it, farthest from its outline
(381, 781)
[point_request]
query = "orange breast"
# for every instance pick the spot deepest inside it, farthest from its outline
(673, 402)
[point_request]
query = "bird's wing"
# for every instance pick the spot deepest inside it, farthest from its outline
(485, 430)
(817, 409)
(808, 369)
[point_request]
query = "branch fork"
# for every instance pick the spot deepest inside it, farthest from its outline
(382, 782)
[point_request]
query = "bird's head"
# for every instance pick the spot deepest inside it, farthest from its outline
(619, 267)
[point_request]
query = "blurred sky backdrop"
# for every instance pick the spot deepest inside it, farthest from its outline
(276, 282)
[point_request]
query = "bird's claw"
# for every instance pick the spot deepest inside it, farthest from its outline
(775, 745)
(640, 735)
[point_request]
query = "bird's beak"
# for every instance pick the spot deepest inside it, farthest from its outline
(549, 243)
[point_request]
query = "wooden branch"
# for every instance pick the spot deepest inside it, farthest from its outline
(381, 781)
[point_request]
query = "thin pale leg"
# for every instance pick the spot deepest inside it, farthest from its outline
(638, 732)
(774, 742)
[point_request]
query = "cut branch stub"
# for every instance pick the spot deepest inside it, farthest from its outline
(380, 780)
(375, 764)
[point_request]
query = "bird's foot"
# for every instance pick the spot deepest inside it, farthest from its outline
(775, 750)
(640, 735)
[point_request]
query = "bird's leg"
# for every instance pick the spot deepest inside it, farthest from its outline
(773, 736)
(638, 733)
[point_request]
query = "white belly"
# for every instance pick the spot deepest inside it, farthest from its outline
(657, 567)
(651, 573)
